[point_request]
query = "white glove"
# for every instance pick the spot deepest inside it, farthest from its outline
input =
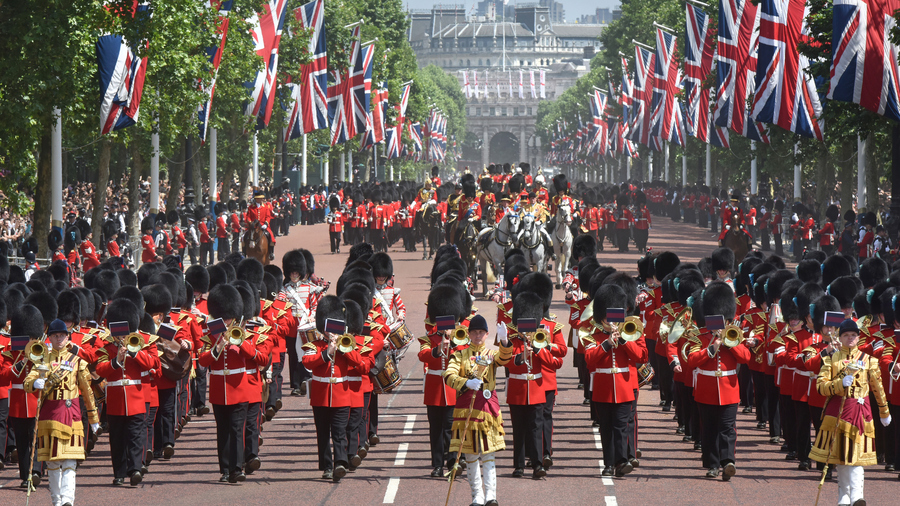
(95, 427)
(502, 332)
(473, 384)
(886, 421)
(265, 227)
(847, 381)
(38, 384)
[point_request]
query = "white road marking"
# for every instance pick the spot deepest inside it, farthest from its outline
(397, 390)
(606, 480)
(410, 421)
(598, 441)
(401, 454)
(391, 492)
(294, 419)
(611, 500)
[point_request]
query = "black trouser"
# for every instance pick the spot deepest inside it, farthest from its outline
(222, 249)
(879, 431)
(613, 419)
(815, 414)
(686, 408)
(194, 251)
(895, 437)
(5, 440)
(251, 431)
(632, 433)
(331, 430)
(294, 366)
(230, 421)
(600, 235)
(198, 387)
(372, 415)
(24, 429)
(356, 426)
(164, 426)
(527, 425)
(182, 399)
(235, 241)
(779, 245)
(764, 239)
(702, 218)
(584, 377)
(640, 238)
(666, 379)
(149, 421)
(126, 443)
(788, 424)
(547, 446)
(714, 224)
(717, 432)
(440, 420)
(773, 395)
(275, 385)
(745, 385)
(761, 394)
(206, 254)
(801, 421)
(622, 239)
(654, 362)
(335, 241)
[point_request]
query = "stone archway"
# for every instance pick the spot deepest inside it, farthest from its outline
(504, 148)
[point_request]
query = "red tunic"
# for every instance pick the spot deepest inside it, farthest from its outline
(335, 382)
(612, 368)
(717, 381)
(125, 392)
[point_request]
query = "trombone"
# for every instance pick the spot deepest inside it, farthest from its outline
(132, 342)
(460, 336)
(346, 343)
(236, 335)
(631, 329)
(37, 351)
(732, 335)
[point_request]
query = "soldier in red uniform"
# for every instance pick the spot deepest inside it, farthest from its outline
(148, 245)
(179, 241)
(111, 233)
(765, 219)
(435, 178)
(775, 225)
(234, 222)
(828, 234)
(261, 212)
(624, 221)
(335, 224)
(377, 221)
(716, 390)
(88, 252)
(222, 246)
(642, 222)
(733, 214)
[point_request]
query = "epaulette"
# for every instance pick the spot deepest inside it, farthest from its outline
(309, 346)
(6, 353)
(261, 337)
(365, 349)
(557, 327)
(791, 336)
(368, 339)
(266, 304)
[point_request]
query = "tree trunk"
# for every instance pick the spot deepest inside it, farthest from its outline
(133, 217)
(244, 178)
(846, 171)
(43, 193)
(100, 191)
(873, 175)
(200, 167)
(176, 174)
(227, 180)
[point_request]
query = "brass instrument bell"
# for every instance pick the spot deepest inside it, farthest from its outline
(540, 339)
(36, 351)
(631, 329)
(680, 325)
(460, 336)
(732, 336)
(134, 342)
(346, 343)
(236, 335)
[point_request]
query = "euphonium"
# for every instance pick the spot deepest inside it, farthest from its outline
(680, 325)
(36, 351)
(460, 336)
(236, 335)
(134, 342)
(631, 329)
(665, 328)
(732, 336)
(540, 339)
(346, 343)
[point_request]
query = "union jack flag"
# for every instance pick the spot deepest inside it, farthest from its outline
(466, 89)
(665, 86)
(786, 93)
(600, 139)
(309, 110)
(415, 133)
(644, 62)
(737, 48)
(121, 78)
(375, 129)
(626, 96)
(698, 58)
(392, 143)
(864, 67)
(340, 97)
(266, 31)
(214, 54)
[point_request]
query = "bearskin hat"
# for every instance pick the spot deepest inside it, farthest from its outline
(225, 302)
(354, 317)
(718, 299)
(4, 269)
(844, 289)
(834, 267)
(157, 299)
(873, 271)
(627, 283)
(443, 301)
(804, 297)
(886, 301)
(334, 203)
(198, 277)
(832, 213)
(251, 271)
(515, 184)
(743, 274)
(598, 279)
(560, 183)
(623, 201)
(645, 267)
(27, 321)
(249, 299)
(174, 284)
(360, 294)
(54, 239)
(276, 272)
(607, 297)
(68, 306)
(72, 237)
(584, 246)
(809, 271)
(538, 283)
(147, 271)
(527, 305)
(514, 274)
(722, 259)
(382, 265)
(217, 276)
(486, 184)
(665, 263)
(272, 288)
(817, 255)
(356, 276)
(88, 310)
(789, 309)
(46, 303)
(467, 181)
(434, 171)
(818, 308)
(123, 310)
(375, 195)
(228, 269)
(869, 219)
(775, 284)
(361, 251)
(132, 294)
(874, 296)
(3, 317)
(687, 282)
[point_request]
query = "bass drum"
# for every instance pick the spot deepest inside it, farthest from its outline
(388, 378)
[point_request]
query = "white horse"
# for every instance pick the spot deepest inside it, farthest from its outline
(494, 242)
(531, 240)
(562, 241)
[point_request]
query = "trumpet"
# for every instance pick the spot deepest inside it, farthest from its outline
(631, 329)
(540, 339)
(36, 351)
(133, 342)
(460, 336)
(236, 335)
(732, 336)
(346, 343)
(681, 324)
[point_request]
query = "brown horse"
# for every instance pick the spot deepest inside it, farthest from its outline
(736, 240)
(256, 243)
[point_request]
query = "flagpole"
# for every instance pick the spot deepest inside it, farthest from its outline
(343, 166)
(708, 164)
(349, 175)
(56, 209)
(684, 180)
(797, 170)
(303, 174)
(255, 160)
(213, 176)
(754, 182)
(861, 173)
(666, 159)
(154, 168)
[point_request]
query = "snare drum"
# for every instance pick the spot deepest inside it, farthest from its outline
(307, 335)
(645, 374)
(400, 336)
(389, 377)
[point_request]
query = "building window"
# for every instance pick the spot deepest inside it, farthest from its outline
(515, 111)
(478, 111)
(489, 63)
(505, 111)
(468, 63)
(493, 111)
(480, 62)
(460, 63)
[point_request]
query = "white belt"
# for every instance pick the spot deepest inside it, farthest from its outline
(436, 372)
(227, 372)
(17, 386)
(145, 374)
(704, 372)
(123, 383)
(612, 370)
(525, 377)
(342, 379)
(808, 374)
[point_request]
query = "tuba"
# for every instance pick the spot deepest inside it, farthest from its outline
(346, 343)
(631, 329)
(36, 351)
(236, 335)
(732, 336)
(460, 336)
(681, 324)
(540, 339)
